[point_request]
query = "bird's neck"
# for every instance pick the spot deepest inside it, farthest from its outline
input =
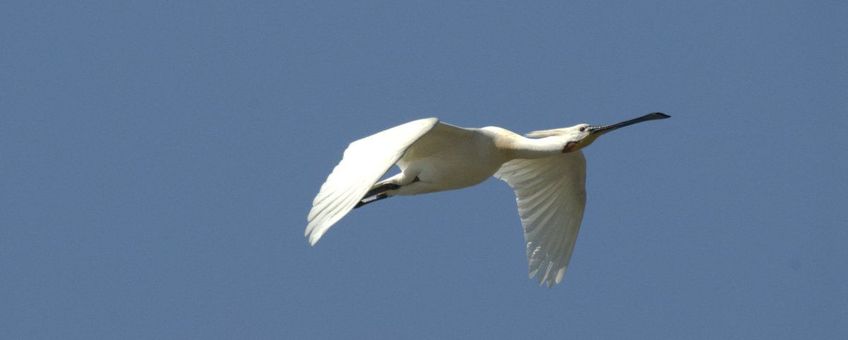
(520, 147)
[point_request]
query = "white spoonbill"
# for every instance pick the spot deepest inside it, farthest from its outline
(547, 171)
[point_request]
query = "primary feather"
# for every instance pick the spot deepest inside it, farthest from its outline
(551, 195)
(363, 163)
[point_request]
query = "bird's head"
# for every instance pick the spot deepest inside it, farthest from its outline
(582, 135)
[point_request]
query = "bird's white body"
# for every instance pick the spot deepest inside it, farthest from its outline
(457, 159)
(547, 172)
(453, 158)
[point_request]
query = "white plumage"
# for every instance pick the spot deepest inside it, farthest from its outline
(547, 171)
(551, 196)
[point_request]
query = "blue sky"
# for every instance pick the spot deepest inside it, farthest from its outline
(159, 159)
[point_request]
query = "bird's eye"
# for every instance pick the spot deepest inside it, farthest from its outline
(582, 128)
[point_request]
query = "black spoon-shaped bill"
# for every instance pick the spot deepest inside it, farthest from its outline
(645, 118)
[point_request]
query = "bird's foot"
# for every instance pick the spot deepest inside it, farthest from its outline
(377, 193)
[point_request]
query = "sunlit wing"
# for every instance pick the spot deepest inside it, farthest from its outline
(364, 162)
(441, 137)
(551, 196)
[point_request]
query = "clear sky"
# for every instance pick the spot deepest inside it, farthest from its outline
(158, 159)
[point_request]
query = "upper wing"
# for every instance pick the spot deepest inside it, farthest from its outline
(440, 138)
(551, 195)
(364, 162)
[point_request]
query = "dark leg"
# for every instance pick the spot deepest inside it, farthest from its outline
(370, 199)
(377, 193)
(381, 189)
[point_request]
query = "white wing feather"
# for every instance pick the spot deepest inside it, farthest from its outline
(364, 162)
(551, 195)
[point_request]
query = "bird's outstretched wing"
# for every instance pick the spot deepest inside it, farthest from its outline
(364, 162)
(551, 195)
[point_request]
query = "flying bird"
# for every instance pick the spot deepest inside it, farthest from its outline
(545, 168)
